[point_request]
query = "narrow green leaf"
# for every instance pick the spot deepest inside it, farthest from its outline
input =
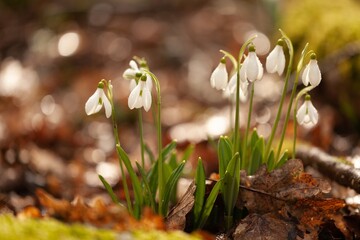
(271, 160)
(284, 157)
(210, 203)
(109, 189)
(168, 149)
(149, 153)
(254, 138)
(170, 186)
(200, 190)
(231, 184)
(153, 177)
(134, 180)
(255, 160)
(150, 195)
(167, 171)
(224, 154)
(173, 160)
(188, 151)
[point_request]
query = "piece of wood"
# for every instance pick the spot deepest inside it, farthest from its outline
(330, 166)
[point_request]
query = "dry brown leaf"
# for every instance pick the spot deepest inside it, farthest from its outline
(268, 226)
(176, 218)
(270, 191)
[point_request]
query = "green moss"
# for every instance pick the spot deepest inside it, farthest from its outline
(12, 228)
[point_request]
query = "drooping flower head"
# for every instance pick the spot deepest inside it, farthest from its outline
(219, 76)
(97, 100)
(275, 61)
(140, 95)
(251, 69)
(230, 90)
(312, 72)
(307, 114)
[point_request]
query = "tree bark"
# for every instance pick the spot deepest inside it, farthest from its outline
(330, 166)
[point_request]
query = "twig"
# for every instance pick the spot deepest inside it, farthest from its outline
(330, 166)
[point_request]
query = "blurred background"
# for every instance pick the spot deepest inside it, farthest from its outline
(53, 54)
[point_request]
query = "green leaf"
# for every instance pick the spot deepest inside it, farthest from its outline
(134, 180)
(210, 203)
(188, 151)
(153, 177)
(173, 160)
(150, 194)
(271, 160)
(284, 157)
(149, 153)
(231, 183)
(254, 138)
(256, 156)
(109, 189)
(224, 154)
(200, 190)
(170, 186)
(168, 149)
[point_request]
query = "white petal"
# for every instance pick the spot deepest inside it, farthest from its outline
(261, 70)
(129, 73)
(252, 67)
(149, 82)
(301, 113)
(313, 114)
(243, 72)
(219, 77)
(314, 73)
(92, 104)
(132, 84)
(107, 105)
(272, 60)
(146, 99)
(133, 100)
(281, 61)
(305, 75)
(134, 65)
(231, 87)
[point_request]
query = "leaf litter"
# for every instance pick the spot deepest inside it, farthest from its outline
(286, 203)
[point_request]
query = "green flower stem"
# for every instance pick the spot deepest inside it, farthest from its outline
(117, 142)
(141, 139)
(248, 123)
(299, 95)
(298, 70)
(287, 77)
(237, 106)
(161, 184)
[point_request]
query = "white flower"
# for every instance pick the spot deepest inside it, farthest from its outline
(230, 90)
(307, 114)
(140, 95)
(251, 69)
(131, 72)
(97, 100)
(219, 76)
(275, 61)
(312, 73)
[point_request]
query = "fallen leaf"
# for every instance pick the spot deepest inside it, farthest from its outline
(268, 226)
(176, 219)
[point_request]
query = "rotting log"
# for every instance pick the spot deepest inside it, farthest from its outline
(330, 166)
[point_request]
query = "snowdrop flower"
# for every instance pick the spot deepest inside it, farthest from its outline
(275, 61)
(312, 73)
(307, 114)
(251, 69)
(133, 71)
(219, 77)
(97, 100)
(140, 95)
(230, 90)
